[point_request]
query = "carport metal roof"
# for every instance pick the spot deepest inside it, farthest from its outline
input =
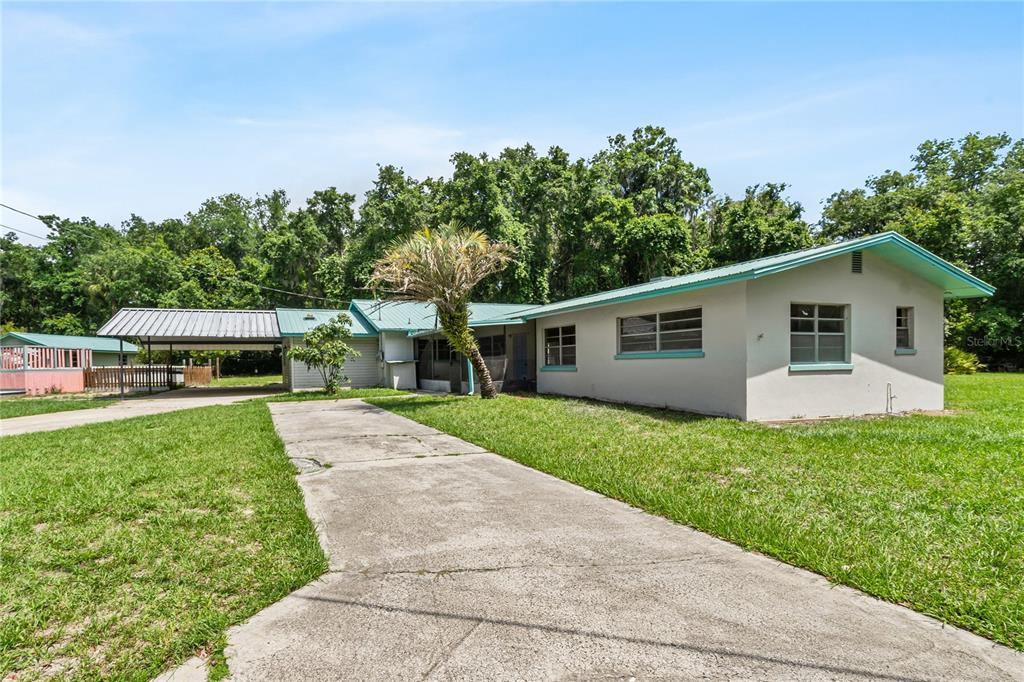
(196, 329)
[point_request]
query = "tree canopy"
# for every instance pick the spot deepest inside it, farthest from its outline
(635, 210)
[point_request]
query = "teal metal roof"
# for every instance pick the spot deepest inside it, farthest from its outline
(298, 321)
(890, 245)
(414, 316)
(94, 343)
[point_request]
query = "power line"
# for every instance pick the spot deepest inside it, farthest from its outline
(181, 265)
(18, 210)
(8, 227)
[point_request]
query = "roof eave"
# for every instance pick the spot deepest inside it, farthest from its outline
(976, 288)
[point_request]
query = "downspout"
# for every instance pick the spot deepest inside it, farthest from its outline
(469, 377)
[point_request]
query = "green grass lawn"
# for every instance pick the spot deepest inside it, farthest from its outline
(257, 380)
(24, 407)
(340, 395)
(925, 511)
(132, 545)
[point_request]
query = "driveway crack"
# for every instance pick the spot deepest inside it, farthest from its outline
(444, 572)
(446, 655)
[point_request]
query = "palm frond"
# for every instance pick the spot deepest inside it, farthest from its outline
(439, 266)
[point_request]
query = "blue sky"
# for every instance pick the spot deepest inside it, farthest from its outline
(110, 109)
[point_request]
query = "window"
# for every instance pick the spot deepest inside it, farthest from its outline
(905, 328)
(680, 330)
(442, 353)
(560, 346)
(492, 346)
(817, 333)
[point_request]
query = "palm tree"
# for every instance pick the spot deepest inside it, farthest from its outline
(441, 267)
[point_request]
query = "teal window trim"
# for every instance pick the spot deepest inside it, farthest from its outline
(906, 351)
(558, 368)
(654, 355)
(821, 367)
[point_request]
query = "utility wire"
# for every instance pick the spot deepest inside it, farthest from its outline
(8, 227)
(18, 210)
(181, 265)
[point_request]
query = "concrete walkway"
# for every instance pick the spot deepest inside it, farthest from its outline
(447, 562)
(136, 406)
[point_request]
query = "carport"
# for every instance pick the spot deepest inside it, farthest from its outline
(191, 329)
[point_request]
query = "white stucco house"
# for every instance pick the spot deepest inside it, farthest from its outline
(846, 329)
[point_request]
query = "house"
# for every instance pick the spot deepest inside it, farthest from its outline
(41, 363)
(362, 371)
(414, 353)
(845, 329)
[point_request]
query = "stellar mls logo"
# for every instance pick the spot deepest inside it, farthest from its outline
(996, 342)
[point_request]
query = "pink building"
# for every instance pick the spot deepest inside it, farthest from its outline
(53, 363)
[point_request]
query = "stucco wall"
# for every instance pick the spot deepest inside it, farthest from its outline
(775, 392)
(362, 371)
(399, 346)
(713, 384)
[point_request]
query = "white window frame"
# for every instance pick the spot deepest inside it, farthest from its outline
(658, 332)
(816, 334)
(561, 346)
(908, 325)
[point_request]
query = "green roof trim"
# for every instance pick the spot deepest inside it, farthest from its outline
(892, 246)
(97, 344)
(298, 321)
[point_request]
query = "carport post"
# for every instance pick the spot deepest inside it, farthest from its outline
(149, 357)
(170, 366)
(469, 377)
(120, 363)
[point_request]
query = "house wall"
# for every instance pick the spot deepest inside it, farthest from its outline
(362, 371)
(400, 347)
(775, 392)
(101, 359)
(713, 384)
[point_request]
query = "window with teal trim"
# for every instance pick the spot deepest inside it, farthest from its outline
(817, 333)
(560, 346)
(904, 328)
(657, 332)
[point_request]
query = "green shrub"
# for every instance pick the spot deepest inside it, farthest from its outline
(961, 362)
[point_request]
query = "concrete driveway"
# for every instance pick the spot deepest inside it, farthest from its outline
(447, 562)
(136, 406)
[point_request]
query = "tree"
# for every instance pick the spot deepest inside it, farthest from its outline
(209, 280)
(395, 207)
(963, 200)
(762, 223)
(441, 267)
(326, 349)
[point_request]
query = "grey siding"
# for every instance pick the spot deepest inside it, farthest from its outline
(362, 371)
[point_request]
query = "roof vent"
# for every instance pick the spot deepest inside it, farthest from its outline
(857, 262)
(309, 316)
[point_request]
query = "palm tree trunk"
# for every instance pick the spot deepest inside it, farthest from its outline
(455, 325)
(483, 375)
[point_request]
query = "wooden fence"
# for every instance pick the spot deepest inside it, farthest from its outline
(198, 376)
(143, 376)
(109, 378)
